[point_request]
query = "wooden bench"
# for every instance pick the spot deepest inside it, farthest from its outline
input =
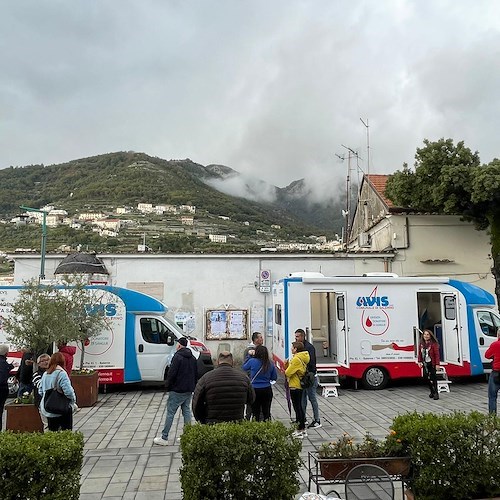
(328, 379)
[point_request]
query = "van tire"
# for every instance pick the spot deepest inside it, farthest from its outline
(375, 378)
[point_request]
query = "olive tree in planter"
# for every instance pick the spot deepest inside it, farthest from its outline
(67, 312)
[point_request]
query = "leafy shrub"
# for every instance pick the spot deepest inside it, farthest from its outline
(453, 456)
(247, 461)
(34, 466)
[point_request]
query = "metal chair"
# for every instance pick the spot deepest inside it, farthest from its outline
(368, 482)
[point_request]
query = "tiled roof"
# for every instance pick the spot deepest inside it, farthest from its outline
(378, 181)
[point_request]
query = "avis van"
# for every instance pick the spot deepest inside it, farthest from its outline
(369, 327)
(138, 342)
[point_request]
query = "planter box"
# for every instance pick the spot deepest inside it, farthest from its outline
(86, 388)
(23, 418)
(338, 468)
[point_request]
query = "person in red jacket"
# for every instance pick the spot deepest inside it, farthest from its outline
(428, 359)
(493, 352)
(68, 352)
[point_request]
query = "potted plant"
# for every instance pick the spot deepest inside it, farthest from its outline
(337, 458)
(87, 311)
(23, 415)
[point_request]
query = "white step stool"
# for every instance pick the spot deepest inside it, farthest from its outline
(443, 384)
(328, 379)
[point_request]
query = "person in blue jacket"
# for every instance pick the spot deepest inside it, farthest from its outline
(56, 376)
(262, 375)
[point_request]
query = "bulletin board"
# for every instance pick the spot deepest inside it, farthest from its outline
(226, 324)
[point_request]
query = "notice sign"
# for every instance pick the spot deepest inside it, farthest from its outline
(265, 281)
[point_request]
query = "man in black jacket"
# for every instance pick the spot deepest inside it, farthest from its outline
(181, 381)
(221, 394)
(5, 369)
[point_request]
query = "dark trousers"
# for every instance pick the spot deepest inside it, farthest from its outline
(4, 392)
(61, 423)
(261, 408)
(296, 396)
(430, 375)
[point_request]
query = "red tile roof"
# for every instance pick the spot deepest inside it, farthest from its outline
(378, 181)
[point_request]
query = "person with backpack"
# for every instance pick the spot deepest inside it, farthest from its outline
(309, 392)
(295, 369)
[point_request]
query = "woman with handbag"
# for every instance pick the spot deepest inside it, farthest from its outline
(295, 369)
(262, 375)
(57, 395)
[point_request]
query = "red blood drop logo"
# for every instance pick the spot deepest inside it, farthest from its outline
(86, 343)
(368, 322)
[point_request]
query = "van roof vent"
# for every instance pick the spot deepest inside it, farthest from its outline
(381, 275)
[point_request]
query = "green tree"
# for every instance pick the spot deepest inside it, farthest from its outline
(449, 179)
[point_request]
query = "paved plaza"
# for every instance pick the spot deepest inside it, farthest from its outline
(121, 462)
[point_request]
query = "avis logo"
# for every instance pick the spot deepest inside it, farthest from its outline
(103, 309)
(373, 300)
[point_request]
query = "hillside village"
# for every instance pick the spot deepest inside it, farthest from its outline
(137, 228)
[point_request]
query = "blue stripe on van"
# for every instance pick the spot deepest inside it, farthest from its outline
(286, 333)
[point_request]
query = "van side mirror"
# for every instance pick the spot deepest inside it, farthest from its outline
(170, 339)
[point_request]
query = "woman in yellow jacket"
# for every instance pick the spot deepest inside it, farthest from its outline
(295, 370)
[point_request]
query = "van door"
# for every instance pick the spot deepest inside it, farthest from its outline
(452, 338)
(341, 328)
(154, 342)
(489, 322)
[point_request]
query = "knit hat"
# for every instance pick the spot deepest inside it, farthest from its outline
(183, 341)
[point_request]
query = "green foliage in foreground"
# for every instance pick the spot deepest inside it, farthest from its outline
(453, 456)
(34, 466)
(247, 461)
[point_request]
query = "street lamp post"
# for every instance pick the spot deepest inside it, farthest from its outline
(44, 237)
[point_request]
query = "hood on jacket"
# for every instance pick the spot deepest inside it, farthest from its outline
(303, 356)
(185, 352)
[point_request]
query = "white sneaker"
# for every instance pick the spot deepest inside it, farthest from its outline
(299, 434)
(304, 434)
(160, 441)
(314, 425)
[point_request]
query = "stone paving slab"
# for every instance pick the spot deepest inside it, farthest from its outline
(120, 460)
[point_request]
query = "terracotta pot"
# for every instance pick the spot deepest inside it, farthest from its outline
(338, 468)
(23, 418)
(86, 388)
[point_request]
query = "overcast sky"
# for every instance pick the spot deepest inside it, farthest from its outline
(271, 88)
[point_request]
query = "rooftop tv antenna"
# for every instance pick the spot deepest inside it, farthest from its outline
(367, 145)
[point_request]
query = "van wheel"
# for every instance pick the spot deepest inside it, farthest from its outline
(375, 378)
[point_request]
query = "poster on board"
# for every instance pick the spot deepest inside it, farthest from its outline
(226, 324)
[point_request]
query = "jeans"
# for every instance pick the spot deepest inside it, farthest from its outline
(296, 397)
(311, 394)
(430, 376)
(176, 399)
(261, 408)
(24, 388)
(493, 388)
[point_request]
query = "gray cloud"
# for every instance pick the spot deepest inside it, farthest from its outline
(271, 89)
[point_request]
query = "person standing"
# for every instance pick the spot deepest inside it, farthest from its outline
(180, 383)
(5, 369)
(25, 372)
(311, 392)
(221, 394)
(493, 352)
(262, 374)
(428, 359)
(295, 369)
(54, 377)
(257, 340)
(43, 363)
(68, 351)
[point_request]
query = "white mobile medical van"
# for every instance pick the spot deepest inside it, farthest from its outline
(137, 344)
(368, 327)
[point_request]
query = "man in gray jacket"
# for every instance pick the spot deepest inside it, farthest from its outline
(221, 394)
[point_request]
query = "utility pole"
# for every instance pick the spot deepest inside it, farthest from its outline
(44, 237)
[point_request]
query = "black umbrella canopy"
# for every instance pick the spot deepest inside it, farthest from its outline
(81, 263)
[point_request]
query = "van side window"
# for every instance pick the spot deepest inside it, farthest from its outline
(277, 314)
(449, 307)
(488, 323)
(154, 331)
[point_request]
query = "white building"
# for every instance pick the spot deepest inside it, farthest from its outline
(217, 238)
(187, 220)
(145, 208)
